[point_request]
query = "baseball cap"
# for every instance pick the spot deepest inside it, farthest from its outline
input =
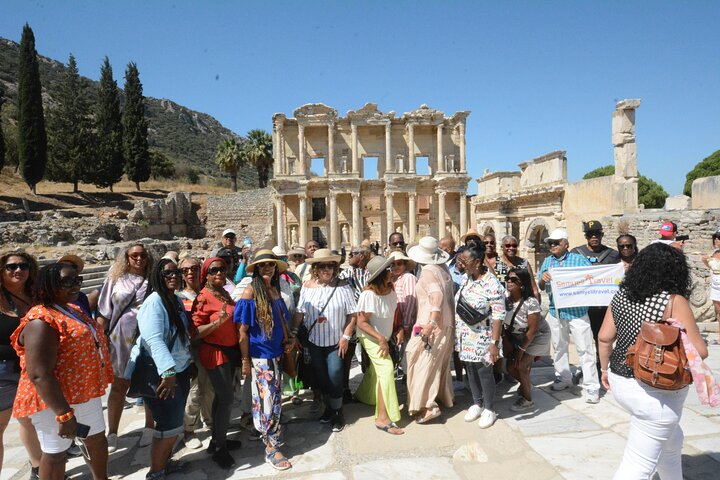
(592, 226)
(557, 234)
(229, 231)
(668, 229)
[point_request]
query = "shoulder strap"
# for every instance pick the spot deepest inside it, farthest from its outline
(125, 308)
(512, 319)
(604, 254)
(330, 297)
(668, 309)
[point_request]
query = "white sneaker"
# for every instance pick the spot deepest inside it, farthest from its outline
(146, 438)
(112, 442)
(560, 385)
(593, 396)
(487, 418)
(473, 413)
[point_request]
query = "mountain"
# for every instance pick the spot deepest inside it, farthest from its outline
(187, 137)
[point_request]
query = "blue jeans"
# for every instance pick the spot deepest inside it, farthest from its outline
(169, 412)
(329, 371)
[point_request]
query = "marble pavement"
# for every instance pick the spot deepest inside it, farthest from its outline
(564, 438)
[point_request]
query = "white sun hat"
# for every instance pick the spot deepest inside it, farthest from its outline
(427, 252)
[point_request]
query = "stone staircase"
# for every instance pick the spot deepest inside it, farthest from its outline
(93, 275)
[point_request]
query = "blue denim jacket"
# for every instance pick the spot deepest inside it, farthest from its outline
(156, 335)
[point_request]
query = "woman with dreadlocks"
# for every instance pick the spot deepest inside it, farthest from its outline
(261, 313)
(163, 327)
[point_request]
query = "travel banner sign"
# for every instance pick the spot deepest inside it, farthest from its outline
(585, 286)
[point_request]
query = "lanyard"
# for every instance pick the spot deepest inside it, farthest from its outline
(74, 316)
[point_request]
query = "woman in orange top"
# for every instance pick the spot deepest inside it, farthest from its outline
(65, 370)
(219, 352)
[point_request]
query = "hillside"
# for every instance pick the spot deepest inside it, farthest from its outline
(188, 137)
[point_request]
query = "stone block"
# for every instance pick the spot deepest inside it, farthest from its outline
(706, 192)
(677, 202)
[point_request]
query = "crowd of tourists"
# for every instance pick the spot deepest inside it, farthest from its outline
(182, 334)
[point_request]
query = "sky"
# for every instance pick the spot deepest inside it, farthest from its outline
(537, 76)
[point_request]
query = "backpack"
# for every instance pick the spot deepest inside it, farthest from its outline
(658, 356)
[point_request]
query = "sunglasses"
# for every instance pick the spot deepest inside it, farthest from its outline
(136, 256)
(266, 264)
(592, 234)
(188, 270)
(396, 244)
(69, 282)
(11, 267)
(510, 245)
(553, 243)
(172, 273)
(489, 242)
(216, 270)
(325, 266)
(352, 254)
(626, 246)
(514, 280)
(231, 237)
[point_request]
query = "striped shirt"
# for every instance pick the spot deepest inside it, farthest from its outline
(406, 299)
(568, 260)
(357, 278)
(341, 304)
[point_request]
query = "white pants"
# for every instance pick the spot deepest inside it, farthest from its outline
(655, 438)
(584, 343)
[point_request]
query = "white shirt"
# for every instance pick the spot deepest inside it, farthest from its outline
(381, 310)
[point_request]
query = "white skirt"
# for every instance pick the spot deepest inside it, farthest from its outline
(715, 288)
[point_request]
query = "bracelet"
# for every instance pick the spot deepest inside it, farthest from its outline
(170, 372)
(433, 322)
(603, 370)
(346, 337)
(65, 417)
(522, 349)
(246, 359)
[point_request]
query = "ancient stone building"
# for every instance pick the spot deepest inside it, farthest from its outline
(340, 180)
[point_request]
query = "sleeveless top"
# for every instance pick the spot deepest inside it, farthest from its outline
(628, 317)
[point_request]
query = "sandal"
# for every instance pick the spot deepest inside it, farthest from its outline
(387, 428)
(275, 462)
(434, 413)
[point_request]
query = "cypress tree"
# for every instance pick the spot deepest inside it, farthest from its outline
(107, 169)
(32, 139)
(2, 138)
(70, 135)
(135, 144)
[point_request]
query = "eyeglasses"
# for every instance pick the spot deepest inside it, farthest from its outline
(216, 270)
(510, 245)
(71, 281)
(626, 246)
(593, 233)
(325, 266)
(172, 273)
(11, 267)
(188, 270)
(553, 243)
(136, 256)
(514, 280)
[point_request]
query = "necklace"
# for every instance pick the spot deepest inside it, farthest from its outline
(221, 295)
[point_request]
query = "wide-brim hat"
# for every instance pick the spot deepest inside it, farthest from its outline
(279, 251)
(75, 260)
(264, 256)
(376, 266)
(427, 252)
(297, 251)
(324, 255)
(470, 233)
(396, 255)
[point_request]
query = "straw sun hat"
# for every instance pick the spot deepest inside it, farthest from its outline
(263, 256)
(427, 252)
(399, 255)
(324, 255)
(376, 266)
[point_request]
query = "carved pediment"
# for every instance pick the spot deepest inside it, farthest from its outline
(315, 113)
(369, 114)
(425, 114)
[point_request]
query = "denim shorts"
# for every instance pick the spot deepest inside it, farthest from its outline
(9, 378)
(169, 413)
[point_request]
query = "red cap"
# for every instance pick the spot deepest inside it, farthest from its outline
(668, 229)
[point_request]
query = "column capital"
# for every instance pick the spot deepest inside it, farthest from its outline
(353, 127)
(355, 195)
(301, 127)
(412, 195)
(332, 195)
(442, 194)
(302, 195)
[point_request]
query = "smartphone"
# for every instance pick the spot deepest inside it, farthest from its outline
(417, 330)
(82, 430)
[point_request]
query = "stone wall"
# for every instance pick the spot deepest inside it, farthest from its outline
(706, 192)
(249, 213)
(170, 217)
(698, 224)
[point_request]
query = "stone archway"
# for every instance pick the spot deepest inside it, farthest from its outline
(486, 228)
(537, 249)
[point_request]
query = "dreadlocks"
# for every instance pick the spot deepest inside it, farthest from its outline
(263, 305)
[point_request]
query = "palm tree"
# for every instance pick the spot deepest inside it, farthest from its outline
(230, 156)
(259, 148)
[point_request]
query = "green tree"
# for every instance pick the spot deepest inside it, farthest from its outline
(160, 165)
(32, 139)
(70, 129)
(259, 148)
(650, 193)
(135, 143)
(107, 169)
(230, 157)
(2, 137)
(708, 167)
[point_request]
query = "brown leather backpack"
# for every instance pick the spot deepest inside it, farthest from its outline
(658, 356)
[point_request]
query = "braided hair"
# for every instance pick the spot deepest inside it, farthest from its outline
(263, 304)
(156, 283)
(47, 284)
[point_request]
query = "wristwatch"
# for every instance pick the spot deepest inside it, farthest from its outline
(497, 343)
(347, 337)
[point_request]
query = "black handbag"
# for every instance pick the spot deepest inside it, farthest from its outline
(145, 378)
(467, 313)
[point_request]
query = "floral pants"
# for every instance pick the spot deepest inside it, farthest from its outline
(267, 399)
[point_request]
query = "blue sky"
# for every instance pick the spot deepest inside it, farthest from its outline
(537, 76)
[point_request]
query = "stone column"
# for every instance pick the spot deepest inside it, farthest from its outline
(280, 220)
(331, 148)
(280, 159)
(463, 214)
(411, 149)
(412, 216)
(302, 198)
(462, 147)
(440, 159)
(388, 148)
(354, 142)
(356, 220)
(333, 221)
(389, 214)
(441, 215)
(301, 150)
